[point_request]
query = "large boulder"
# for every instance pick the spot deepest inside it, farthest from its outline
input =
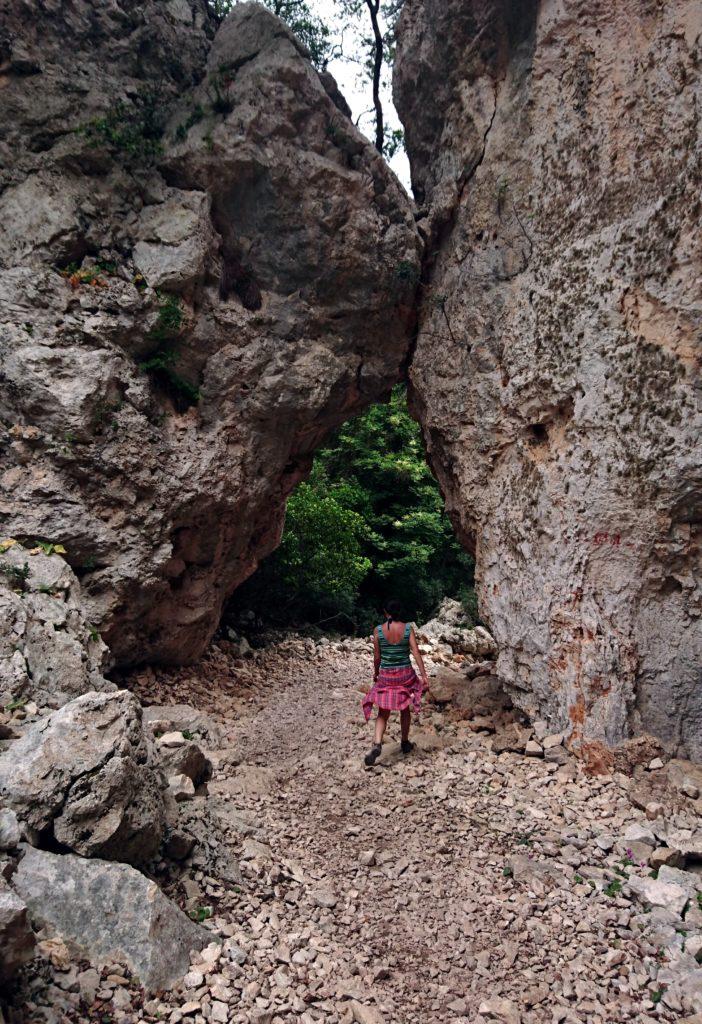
(556, 371)
(80, 777)
(451, 625)
(48, 651)
(17, 939)
(111, 912)
(205, 268)
(178, 756)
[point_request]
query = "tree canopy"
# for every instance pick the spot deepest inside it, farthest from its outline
(368, 524)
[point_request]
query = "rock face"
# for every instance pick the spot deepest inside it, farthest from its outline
(48, 652)
(16, 936)
(205, 267)
(137, 925)
(79, 776)
(555, 152)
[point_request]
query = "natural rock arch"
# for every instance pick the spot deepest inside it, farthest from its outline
(157, 431)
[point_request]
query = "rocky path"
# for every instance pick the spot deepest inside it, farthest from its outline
(452, 885)
(465, 883)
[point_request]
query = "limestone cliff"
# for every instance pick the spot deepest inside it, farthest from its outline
(204, 269)
(555, 151)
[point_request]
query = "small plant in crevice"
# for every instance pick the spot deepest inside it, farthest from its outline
(161, 367)
(196, 115)
(526, 838)
(49, 548)
(161, 362)
(170, 317)
(407, 272)
(133, 129)
(103, 415)
(201, 914)
(17, 575)
(614, 887)
(220, 83)
(16, 704)
(76, 276)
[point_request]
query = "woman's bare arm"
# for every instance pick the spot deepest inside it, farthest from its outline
(414, 647)
(376, 656)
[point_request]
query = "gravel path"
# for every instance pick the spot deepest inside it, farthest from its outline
(462, 884)
(449, 885)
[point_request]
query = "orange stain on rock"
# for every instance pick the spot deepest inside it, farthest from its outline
(576, 712)
(597, 758)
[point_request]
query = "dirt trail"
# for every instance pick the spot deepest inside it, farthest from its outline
(441, 886)
(458, 885)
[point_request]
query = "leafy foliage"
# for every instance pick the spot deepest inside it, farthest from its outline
(133, 129)
(17, 575)
(162, 361)
(370, 523)
(320, 560)
(87, 275)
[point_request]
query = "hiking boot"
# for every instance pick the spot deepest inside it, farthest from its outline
(406, 747)
(373, 755)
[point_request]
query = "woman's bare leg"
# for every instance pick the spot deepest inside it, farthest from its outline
(405, 720)
(380, 723)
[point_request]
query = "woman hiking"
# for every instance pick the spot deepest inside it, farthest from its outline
(395, 683)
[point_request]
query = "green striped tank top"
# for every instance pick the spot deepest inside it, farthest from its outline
(394, 655)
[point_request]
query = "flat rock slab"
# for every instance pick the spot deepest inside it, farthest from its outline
(136, 923)
(668, 895)
(248, 780)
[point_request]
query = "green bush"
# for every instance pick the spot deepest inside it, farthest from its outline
(160, 363)
(369, 523)
(132, 129)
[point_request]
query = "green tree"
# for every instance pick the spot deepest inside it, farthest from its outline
(376, 56)
(369, 523)
(376, 466)
(320, 560)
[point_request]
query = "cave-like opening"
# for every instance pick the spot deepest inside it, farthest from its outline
(368, 523)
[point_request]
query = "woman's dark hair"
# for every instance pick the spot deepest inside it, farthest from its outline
(393, 608)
